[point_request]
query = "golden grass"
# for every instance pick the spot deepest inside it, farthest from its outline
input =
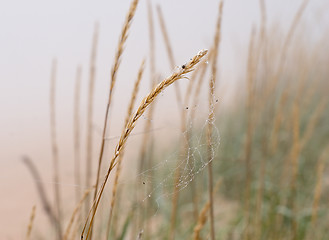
(181, 73)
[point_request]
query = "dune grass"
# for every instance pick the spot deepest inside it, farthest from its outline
(270, 169)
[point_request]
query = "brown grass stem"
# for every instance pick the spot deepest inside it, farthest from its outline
(76, 123)
(211, 119)
(250, 129)
(54, 146)
(181, 73)
(144, 158)
(90, 112)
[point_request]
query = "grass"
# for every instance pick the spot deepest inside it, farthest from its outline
(270, 169)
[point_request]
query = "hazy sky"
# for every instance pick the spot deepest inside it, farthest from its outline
(33, 32)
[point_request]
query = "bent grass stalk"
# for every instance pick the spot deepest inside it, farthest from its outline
(118, 170)
(180, 74)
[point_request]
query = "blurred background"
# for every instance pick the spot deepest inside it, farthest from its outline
(33, 33)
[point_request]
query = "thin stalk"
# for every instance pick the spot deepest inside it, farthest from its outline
(54, 147)
(76, 123)
(90, 111)
(249, 134)
(145, 159)
(211, 120)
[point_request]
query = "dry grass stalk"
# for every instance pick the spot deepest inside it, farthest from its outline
(114, 70)
(250, 128)
(118, 170)
(145, 159)
(202, 219)
(211, 119)
(29, 227)
(54, 146)
(295, 164)
(76, 123)
(90, 110)
(152, 44)
(42, 194)
(76, 211)
(170, 53)
(318, 187)
(181, 73)
(148, 125)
